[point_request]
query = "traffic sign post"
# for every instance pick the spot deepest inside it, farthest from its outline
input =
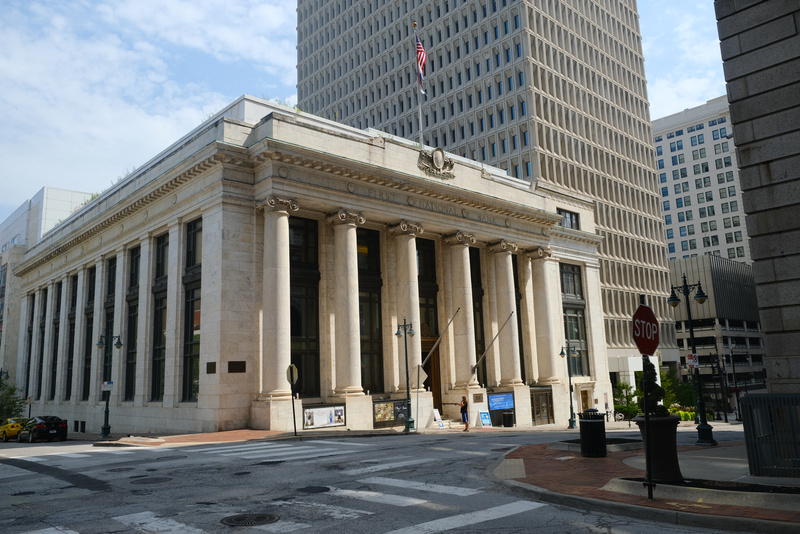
(291, 376)
(645, 334)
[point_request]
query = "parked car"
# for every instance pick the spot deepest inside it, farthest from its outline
(47, 427)
(10, 427)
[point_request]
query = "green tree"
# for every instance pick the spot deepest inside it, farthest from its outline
(625, 400)
(676, 391)
(11, 402)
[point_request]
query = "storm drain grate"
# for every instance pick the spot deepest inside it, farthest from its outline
(248, 520)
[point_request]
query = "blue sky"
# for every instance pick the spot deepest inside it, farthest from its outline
(91, 89)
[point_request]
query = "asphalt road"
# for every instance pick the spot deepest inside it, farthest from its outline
(390, 484)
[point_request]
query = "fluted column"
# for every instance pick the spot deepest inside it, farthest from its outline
(547, 307)
(276, 349)
(510, 373)
(528, 316)
(406, 233)
(464, 323)
(348, 333)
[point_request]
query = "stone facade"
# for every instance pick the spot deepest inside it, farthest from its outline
(193, 269)
(759, 42)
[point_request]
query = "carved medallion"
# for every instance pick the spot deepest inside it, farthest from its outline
(436, 164)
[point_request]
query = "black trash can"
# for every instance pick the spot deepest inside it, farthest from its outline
(508, 419)
(593, 434)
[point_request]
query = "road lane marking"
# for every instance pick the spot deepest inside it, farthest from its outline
(149, 522)
(346, 444)
(383, 467)
(271, 453)
(248, 446)
(53, 530)
(374, 496)
(330, 510)
(281, 526)
(311, 454)
(74, 455)
(470, 519)
(421, 486)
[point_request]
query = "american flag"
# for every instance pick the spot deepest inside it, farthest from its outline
(422, 58)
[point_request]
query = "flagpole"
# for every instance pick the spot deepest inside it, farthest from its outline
(418, 68)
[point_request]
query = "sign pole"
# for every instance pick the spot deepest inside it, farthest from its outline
(291, 376)
(645, 334)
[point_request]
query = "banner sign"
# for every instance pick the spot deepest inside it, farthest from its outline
(322, 417)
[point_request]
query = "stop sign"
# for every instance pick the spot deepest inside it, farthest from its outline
(645, 330)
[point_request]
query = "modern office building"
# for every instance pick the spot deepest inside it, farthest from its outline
(728, 337)
(700, 190)
(553, 93)
(268, 238)
(23, 228)
(759, 42)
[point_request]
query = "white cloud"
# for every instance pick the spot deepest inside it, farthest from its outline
(90, 89)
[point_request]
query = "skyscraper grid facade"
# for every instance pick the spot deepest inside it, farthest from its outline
(699, 179)
(552, 92)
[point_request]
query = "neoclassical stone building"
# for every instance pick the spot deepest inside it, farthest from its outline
(267, 238)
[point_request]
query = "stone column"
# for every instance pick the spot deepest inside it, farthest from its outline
(33, 343)
(98, 329)
(408, 290)
(80, 326)
(144, 328)
(547, 307)
(528, 316)
(276, 339)
(63, 340)
(47, 349)
(464, 323)
(508, 338)
(348, 333)
(120, 328)
(174, 339)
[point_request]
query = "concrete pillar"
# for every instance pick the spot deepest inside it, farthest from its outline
(408, 292)
(63, 341)
(547, 307)
(464, 322)
(144, 334)
(276, 349)
(347, 333)
(528, 318)
(508, 338)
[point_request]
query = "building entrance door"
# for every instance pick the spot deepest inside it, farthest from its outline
(432, 370)
(585, 400)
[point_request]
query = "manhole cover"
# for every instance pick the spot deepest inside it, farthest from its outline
(314, 489)
(248, 520)
(154, 480)
(120, 469)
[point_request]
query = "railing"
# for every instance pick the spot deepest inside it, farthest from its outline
(772, 434)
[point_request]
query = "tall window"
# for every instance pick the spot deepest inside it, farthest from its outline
(191, 323)
(108, 304)
(40, 369)
(369, 303)
(477, 311)
(132, 298)
(428, 288)
(73, 305)
(56, 331)
(159, 339)
(574, 308)
(304, 290)
(89, 342)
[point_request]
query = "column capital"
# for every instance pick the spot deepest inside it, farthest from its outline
(344, 216)
(539, 253)
(459, 238)
(274, 203)
(405, 228)
(502, 246)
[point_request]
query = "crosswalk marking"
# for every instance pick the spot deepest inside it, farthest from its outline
(149, 522)
(320, 453)
(383, 467)
(374, 496)
(281, 526)
(271, 452)
(346, 443)
(421, 486)
(330, 510)
(248, 446)
(469, 519)
(73, 455)
(53, 530)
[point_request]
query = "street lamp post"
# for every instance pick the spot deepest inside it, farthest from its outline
(567, 355)
(105, 430)
(735, 384)
(407, 330)
(704, 432)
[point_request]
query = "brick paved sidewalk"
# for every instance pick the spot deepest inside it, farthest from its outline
(568, 473)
